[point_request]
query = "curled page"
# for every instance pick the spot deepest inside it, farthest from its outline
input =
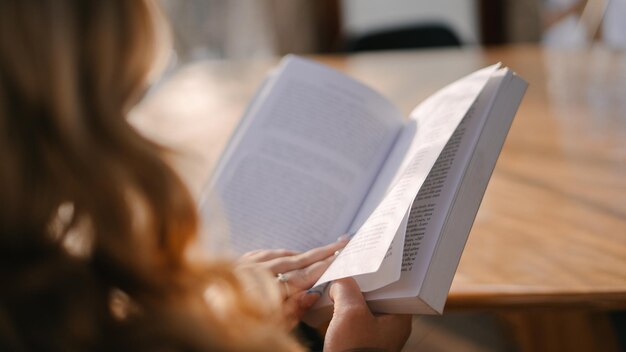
(437, 118)
(390, 269)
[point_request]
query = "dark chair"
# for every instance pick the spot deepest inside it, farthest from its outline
(411, 37)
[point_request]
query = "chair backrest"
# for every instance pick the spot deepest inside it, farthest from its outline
(410, 37)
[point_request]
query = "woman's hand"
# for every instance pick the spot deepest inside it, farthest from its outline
(354, 327)
(296, 273)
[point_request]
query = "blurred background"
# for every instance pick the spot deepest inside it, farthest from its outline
(265, 29)
(234, 29)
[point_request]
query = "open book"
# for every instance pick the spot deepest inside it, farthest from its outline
(318, 154)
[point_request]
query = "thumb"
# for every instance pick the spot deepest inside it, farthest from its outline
(346, 295)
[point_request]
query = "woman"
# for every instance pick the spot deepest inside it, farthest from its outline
(94, 225)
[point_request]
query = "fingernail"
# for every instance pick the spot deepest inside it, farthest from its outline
(313, 291)
(310, 298)
(343, 238)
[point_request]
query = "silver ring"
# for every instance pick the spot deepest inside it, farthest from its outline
(337, 252)
(282, 278)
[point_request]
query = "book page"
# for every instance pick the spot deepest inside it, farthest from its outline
(436, 119)
(433, 201)
(387, 174)
(388, 271)
(296, 174)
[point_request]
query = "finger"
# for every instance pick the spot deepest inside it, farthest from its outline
(347, 298)
(281, 265)
(264, 255)
(304, 279)
(286, 289)
(302, 260)
(296, 306)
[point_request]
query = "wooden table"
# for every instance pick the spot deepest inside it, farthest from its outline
(551, 231)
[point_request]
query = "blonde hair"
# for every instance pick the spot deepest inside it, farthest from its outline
(93, 223)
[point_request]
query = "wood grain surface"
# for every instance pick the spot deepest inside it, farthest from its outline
(551, 230)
